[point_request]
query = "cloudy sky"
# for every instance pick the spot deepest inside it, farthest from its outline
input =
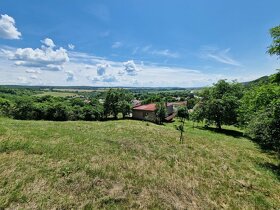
(135, 42)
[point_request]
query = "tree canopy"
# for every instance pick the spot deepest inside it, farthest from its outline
(219, 103)
(274, 48)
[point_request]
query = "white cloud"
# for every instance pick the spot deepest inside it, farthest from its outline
(70, 76)
(101, 68)
(103, 79)
(88, 66)
(8, 29)
(48, 43)
(117, 45)
(31, 71)
(82, 69)
(129, 68)
(71, 46)
(221, 56)
(148, 49)
(45, 58)
(33, 76)
(165, 53)
(23, 80)
(109, 78)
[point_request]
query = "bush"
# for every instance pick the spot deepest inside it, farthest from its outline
(264, 127)
(5, 106)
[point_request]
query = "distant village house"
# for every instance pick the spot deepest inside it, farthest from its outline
(148, 112)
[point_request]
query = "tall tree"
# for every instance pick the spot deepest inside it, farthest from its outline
(116, 101)
(220, 102)
(274, 48)
(160, 112)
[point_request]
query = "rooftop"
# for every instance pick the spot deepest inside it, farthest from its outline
(146, 107)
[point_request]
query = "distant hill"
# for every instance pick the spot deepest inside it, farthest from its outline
(261, 80)
(92, 88)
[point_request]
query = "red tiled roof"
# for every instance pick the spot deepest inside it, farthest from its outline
(146, 107)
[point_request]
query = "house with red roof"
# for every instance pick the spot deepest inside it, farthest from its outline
(148, 112)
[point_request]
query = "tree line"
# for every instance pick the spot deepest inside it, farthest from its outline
(20, 105)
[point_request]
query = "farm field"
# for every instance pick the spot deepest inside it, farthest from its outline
(129, 164)
(56, 94)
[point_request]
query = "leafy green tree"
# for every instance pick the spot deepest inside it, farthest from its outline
(160, 112)
(255, 99)
(23, 108)
(197, 114)
(111, 103)
(192, 102)
(274, 48)
(92, 113)
(116, 101)
(259, 113)
(124, 104)
(124, 107)
(220, 103)
(264, 126)
(5, 106)
(60, 112)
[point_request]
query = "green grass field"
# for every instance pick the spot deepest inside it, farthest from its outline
(56, 94)
(129, 164)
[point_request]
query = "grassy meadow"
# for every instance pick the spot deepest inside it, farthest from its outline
(129, 164)
(56, 94)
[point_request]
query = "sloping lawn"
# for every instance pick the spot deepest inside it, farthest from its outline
(131, 164)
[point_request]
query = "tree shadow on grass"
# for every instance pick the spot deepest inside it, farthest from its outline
(228, 132)
(275, 169)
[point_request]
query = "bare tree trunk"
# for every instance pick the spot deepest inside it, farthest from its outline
(181, 137)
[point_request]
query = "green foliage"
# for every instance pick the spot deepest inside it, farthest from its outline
(55, 108)
(116, 101)
(197, 113)
(192, 102)
(160, 112)
(255, 99)
(183, 113)
(151, 98)
(5, 106)
(264, 126)
(259, 113)
(274, 48)
(275, 78)
(219, 104)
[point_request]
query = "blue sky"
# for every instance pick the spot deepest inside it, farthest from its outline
(135, 43)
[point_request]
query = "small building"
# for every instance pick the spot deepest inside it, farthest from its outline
(178, 104)
(148, 112)
(135, 103)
